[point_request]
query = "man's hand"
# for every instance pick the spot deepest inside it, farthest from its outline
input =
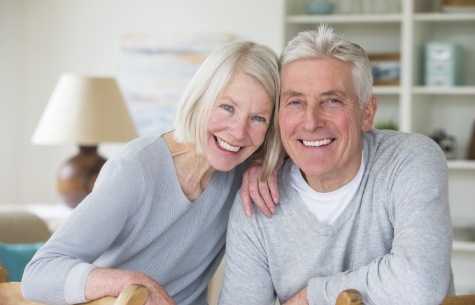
(298, 299)
(264, 194)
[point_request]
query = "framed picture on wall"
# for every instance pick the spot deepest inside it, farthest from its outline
(154, 70)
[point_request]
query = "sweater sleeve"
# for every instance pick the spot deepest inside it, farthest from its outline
(57, 273)
(247, 278)
(417, 269)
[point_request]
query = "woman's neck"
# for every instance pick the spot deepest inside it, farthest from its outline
(194, 171)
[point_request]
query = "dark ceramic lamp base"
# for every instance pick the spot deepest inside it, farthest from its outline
(77, 176)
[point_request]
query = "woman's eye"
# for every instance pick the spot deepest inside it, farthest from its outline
(333, 101)
(258, 118)
(294, 102)
(227, 107)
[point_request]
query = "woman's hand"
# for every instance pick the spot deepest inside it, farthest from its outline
(264, 194)
(103, 282)
(157, 295)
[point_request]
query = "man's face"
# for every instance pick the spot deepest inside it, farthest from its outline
(321, 123)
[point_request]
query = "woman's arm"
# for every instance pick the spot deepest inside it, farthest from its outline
(58, 272)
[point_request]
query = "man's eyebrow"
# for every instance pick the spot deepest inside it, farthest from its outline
(337, 91)
(333, 92)
(291, 93)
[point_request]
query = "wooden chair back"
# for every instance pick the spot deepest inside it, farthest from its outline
(468, 299)
(353, 297)
(349, 297)
(10, 294)
(3, 274)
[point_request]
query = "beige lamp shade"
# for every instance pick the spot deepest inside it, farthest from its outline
(85, 111)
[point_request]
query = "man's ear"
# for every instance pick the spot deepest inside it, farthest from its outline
(369, 111)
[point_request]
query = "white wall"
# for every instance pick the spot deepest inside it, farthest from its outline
(42, 39)
(11, 31)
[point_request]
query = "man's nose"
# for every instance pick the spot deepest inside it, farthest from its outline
(313, 118)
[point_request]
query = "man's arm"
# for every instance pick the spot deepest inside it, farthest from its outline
(300, 298)
(247, 277)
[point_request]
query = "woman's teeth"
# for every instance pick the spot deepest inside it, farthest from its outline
(227, 146)
(317, 143)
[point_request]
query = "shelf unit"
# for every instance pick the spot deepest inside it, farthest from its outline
(413, 106)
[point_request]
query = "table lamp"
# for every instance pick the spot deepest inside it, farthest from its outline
(84, 111)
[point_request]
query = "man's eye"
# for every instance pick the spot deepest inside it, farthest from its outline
(333, 101)
(227, 107)
(258, 118)
(294, 102)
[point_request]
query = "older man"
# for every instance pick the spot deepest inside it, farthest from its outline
(359, 208)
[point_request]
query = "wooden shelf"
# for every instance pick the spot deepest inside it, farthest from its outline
(430, 17)
(387, 90)
(466, 246)
(455, 90)
(353, 18)
(461, 164)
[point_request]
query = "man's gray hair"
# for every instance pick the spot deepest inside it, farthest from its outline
(323, 42)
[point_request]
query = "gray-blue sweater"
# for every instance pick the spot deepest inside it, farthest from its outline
(138, 218)
(393, 241)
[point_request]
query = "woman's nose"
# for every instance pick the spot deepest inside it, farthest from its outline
(239, 128)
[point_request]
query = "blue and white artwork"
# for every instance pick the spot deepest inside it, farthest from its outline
(154, 70)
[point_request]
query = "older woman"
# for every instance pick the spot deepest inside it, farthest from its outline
(158, 213)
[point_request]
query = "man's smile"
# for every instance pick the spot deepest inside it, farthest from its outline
(317, 143)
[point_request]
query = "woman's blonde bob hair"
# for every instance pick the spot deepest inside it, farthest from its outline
(251, 58)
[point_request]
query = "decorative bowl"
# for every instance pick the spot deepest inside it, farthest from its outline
(319, 8)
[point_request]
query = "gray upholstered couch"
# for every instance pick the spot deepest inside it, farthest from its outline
(17, 226)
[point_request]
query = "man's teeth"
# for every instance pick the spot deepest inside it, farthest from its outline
(317, 143)
(227, 146)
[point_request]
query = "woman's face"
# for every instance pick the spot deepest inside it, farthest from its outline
(238, 122)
